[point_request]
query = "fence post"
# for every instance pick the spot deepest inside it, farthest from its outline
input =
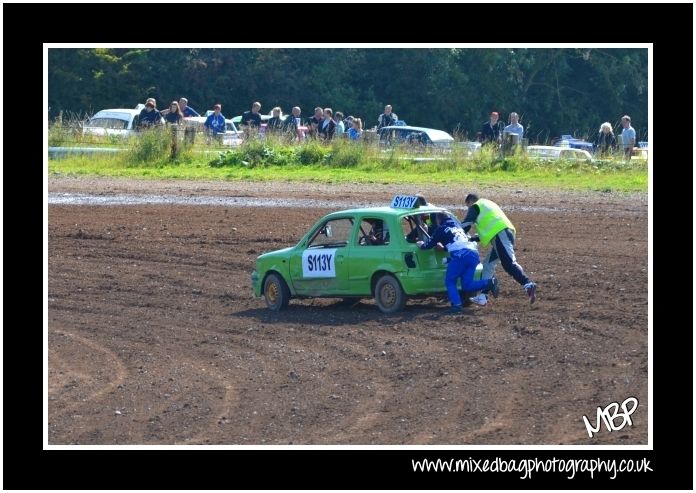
(175, 141)
(189, 135)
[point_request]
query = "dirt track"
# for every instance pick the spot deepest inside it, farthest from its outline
(155, 336)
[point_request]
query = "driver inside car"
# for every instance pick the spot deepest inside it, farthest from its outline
(378, 234)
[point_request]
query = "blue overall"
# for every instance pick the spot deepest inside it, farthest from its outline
(462, 265)
(463, 260)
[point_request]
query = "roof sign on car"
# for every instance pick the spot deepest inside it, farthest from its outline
(406, 201)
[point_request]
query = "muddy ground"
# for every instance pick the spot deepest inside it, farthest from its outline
(155, 336)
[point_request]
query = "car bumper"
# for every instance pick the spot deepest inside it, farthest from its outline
(256, 283)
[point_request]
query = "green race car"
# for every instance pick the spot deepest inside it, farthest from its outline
(357, 253)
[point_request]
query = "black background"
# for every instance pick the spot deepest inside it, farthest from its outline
(122, 469)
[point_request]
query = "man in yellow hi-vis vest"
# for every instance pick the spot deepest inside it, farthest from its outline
(493, 226)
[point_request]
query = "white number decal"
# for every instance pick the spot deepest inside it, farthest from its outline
(319, 263)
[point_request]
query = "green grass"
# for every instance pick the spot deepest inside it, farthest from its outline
(345, 162)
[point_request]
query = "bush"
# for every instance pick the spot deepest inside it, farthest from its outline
(508, 164)
(227, 158)
(312, 152)
(346, 154)
(255, 153)
(57, 135)
(150, 145)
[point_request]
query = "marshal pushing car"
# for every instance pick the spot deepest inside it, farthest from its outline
(359, 253)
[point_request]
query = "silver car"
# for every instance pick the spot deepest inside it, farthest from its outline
(558, 153)
(120, 122)
(396, 135)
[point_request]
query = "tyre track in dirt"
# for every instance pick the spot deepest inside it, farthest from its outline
(80, 384)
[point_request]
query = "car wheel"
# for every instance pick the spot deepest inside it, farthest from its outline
(276, 292)
(389, 295)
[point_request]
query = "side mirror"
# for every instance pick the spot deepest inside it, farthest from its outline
(327, 231)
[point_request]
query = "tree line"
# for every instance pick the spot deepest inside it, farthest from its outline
(555, 90)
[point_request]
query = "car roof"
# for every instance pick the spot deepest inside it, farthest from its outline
(389, 211)
(554, 148)
(434, 134)
(546, 148)
(202, 119)
(116, 113)
(264, 118)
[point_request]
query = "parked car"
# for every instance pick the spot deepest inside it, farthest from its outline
(342, 256)
(471, 147)
(558, 153)
(301, 130)
(573, 143)
(640, 152)
(397, 135)
(119, 121)
(232, 136)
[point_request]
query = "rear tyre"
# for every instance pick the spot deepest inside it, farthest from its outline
(276, 292)
(389, 295)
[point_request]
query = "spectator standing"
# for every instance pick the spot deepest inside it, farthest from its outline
(606, 140)
(387, 119)
(215, 123)
(275, 124)
(293, 122)
(340, 126)
(186, 109)
(348, 122)
(313, 123)
(355, 131)
(514, 127)
(252, 118)
(628, 137)
(149, 116)
(174, 114)
(490, 131)
(327, 127)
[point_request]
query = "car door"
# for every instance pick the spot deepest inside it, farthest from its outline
(428, 263)
(368, 252)
(320, 267)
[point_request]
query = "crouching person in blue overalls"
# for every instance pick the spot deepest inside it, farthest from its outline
(462, 263)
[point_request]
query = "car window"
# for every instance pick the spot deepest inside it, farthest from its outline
(334, 233)
(113, 123)
(418, 138)
(373, 232)
(544, 153)
(416, 228)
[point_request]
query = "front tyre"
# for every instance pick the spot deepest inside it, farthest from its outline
(389, 295)
(276, 292)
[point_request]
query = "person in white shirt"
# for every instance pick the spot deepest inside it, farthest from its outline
(628, 137)
(514, 127)
(340, 126)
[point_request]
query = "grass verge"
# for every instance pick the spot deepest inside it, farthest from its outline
(345, 162)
